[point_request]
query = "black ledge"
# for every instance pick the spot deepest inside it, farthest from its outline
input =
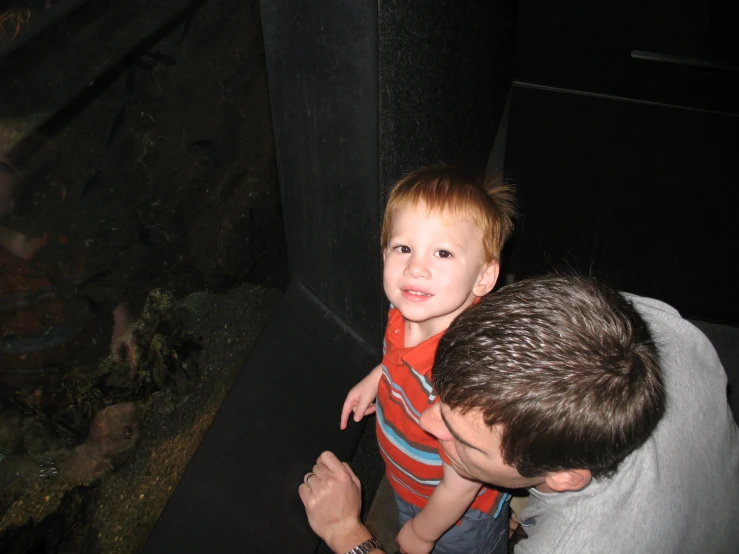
(239, 493)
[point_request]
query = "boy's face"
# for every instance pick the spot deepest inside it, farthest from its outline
(434, 266)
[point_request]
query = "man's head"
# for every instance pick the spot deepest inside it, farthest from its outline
(562, 374)
(483, 200)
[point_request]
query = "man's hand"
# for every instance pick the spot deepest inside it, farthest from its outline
(361, 399)
(410, 542)
(332, 496)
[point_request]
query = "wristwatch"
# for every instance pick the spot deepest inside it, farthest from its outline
(366, 547)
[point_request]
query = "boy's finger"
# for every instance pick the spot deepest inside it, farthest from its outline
(361, 410)
(345, 411)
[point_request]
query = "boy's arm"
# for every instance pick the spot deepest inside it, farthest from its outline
(360, 399)
(445, 507)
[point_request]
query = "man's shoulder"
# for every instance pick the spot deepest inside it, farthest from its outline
(670, 331)
(651, 306)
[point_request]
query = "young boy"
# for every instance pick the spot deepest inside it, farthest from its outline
(441, 240)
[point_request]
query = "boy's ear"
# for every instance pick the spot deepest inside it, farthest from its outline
(569, 480)
(488, 278)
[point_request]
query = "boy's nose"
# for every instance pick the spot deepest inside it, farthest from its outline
(417, 268)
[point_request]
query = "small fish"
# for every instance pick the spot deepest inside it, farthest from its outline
(151, 59)
(164, 59)
(90, 183)
(204, 143)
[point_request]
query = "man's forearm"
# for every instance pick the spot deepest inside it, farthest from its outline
(346, 540)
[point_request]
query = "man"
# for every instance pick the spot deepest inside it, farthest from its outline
(611, 409)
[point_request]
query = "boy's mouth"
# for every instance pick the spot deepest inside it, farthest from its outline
(413, 294)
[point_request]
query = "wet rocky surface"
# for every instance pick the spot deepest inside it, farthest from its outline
(105, 493)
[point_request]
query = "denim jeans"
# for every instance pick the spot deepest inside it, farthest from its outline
(478, 533)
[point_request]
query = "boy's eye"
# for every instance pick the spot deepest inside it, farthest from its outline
(443, 254)
(403, 249)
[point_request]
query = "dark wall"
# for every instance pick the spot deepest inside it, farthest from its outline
(623, 138)
(677, 53)
(322, 70)
(638, 194)
(444, 77)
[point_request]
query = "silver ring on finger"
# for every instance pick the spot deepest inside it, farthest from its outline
(307, 477)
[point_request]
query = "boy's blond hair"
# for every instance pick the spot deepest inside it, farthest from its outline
(486, 200)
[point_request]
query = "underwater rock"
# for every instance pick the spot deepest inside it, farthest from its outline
(113, 435)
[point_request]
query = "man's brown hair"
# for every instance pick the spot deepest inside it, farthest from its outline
(485, 200)
(564, 364)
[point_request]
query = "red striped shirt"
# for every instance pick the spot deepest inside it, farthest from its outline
(412, 457)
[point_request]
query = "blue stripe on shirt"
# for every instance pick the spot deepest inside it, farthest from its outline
(400, 442)
(427, 482)
(399, 393)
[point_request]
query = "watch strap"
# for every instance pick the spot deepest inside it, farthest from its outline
(366, 547)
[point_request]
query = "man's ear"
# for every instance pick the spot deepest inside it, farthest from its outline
(569, 480)
(488, 278)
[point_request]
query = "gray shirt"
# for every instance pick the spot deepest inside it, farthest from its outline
(679, 492)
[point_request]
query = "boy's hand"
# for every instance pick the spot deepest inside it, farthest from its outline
(410, 542)
(449, 501)
(360, 403)
(361, 399)
(513, 524)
